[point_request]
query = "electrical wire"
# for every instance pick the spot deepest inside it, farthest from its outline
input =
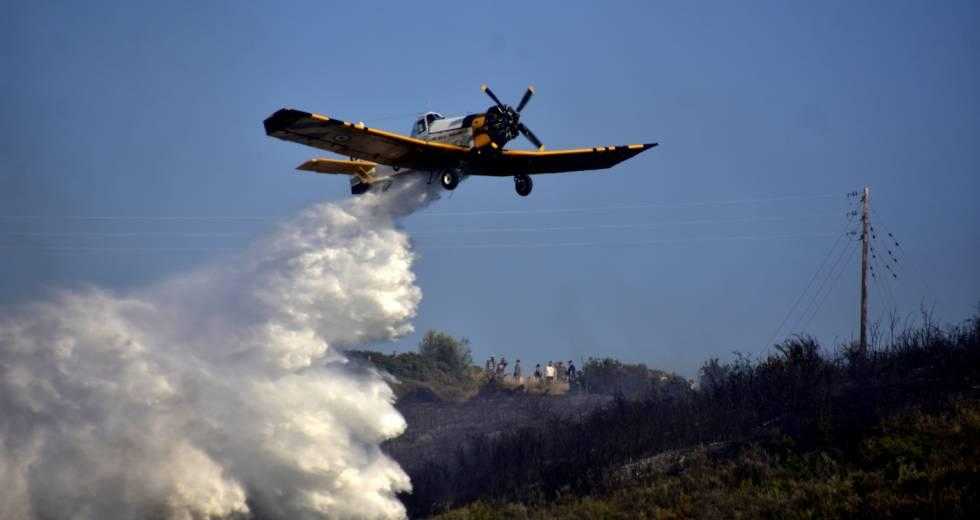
(539, 245)
(908, 259)
(618, 226)
(426, 213)
(830, 288)
(733, 202)
(806, 289)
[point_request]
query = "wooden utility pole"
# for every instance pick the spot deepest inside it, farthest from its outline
(865, 239)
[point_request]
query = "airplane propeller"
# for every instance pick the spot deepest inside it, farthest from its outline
(504, 122)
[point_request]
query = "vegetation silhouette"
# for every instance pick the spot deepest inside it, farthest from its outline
(800, 416)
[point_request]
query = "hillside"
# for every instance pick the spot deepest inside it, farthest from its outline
(802, 432)
(913, 465)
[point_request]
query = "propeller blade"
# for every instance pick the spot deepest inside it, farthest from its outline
(526, 98)
(493, 97)
(526, 132)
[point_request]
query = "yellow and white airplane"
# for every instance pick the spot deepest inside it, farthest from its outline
(448, 147)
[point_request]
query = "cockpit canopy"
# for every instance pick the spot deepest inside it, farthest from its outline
(422, 125)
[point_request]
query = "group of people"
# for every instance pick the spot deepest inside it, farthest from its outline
(497, 369)
(550, 373)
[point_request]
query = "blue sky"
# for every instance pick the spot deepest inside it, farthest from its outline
(767, 115)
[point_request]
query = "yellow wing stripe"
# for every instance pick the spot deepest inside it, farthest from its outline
(536, 153)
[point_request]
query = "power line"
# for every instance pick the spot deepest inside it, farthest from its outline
(909, 261)
(816, 297)
(635, 243)
(142, 218)
(424, 232)
(817, 274)
(109, 249)
(619, 226)
(830, 288)
(452, 246)
(876, 276)
(806, 289)
(94, 234)
(625, 206)
(425, 213)
(881, 296)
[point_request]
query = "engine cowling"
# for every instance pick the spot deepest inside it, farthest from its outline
(502, 124)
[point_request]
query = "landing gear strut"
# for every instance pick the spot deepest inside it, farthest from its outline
(449, 179)
(523, 184)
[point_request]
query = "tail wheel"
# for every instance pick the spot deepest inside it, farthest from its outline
(449, 180)
(523, 185)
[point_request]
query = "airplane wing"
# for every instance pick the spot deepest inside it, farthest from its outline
(362, 142)
(379, 146)
(514, 162)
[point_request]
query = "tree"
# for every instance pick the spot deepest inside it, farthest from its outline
(454, 354)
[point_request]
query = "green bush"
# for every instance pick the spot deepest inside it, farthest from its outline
(609, 376)
(451, 353)
(442, 367)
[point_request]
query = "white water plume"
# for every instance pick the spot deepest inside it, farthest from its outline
(222, 392)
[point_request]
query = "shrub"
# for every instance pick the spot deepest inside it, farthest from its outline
(453, 354)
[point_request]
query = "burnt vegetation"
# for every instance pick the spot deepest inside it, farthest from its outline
(894, 428)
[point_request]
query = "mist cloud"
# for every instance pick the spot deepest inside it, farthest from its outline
(220, 392)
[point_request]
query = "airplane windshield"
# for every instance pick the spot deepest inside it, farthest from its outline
(422, 125)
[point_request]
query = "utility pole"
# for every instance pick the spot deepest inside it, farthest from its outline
(865, 239)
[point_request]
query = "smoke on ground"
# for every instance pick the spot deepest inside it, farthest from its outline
(221, 392)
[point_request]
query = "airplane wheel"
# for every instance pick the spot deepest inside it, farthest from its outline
(523, 185)
(449, 180)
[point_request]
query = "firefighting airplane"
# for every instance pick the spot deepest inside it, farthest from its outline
(448, 147)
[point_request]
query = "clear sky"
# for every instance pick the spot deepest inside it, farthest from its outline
(131, 148)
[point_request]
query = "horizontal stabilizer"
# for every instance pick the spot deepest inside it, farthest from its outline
(362, 169)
